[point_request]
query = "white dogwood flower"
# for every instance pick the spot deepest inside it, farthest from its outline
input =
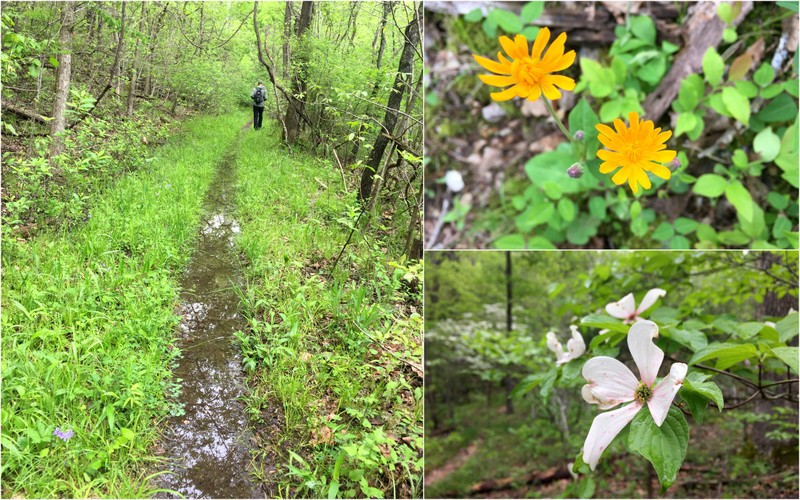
(611, 383)
(575, 346)
(626, 310)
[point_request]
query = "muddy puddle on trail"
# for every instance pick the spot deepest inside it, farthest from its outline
(208, 447)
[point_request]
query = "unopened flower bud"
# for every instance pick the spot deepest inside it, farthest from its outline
(575, 171)
(454, 181)
(675, 164)
(579, 135)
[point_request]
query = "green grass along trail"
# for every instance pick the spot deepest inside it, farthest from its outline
(91, 331)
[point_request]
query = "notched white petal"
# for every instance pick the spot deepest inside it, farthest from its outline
(623, 309)
(649, 299)
(645, 352)
(664, 392)
(605, 428)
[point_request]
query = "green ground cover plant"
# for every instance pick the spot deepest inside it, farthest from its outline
(88, 311)
(335, 348)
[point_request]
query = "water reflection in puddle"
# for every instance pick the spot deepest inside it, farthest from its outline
(208, 445)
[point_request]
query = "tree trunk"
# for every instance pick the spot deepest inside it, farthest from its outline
(297, 106)
(63, 77)
(116, 69)
(405, 68)
(288, 17)
(507, 382)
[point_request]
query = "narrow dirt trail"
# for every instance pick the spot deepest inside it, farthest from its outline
(453, 464)
(209, 445)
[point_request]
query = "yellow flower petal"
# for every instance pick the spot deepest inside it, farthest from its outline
(505, 95)
(641, 177)
(539, 44)
(632, 183)
(608, 166)
(493, 66)
(536, 92)
(522, 45)
(510, 48)
(550, 91)
(621, 176)
(497, 80)
(564, 82)
(659, 170)
(563, 62)
(663, 156)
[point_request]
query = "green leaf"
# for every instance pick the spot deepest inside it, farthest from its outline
(691, 92)
(552, 166)
(582, 118)
(781, 109)
(764, 75)
(697, 404)
(664, 446)
(789, 355)
(663, 232)
(680, 243)
(684, 225)
(643, 28)
(729, 35)
(581, 229)
(725, 12)
(510, 22)
(709, 390)
(737, 104)
(686, 122)
(531, 11)
(474, 15)
(510, 242)
(601, 80)
(713, 66)
(540, 242)
(567, 209)
(536, 214)
(710, 185)
(610, 110)
(726, 354)
(787, 160)
(787, 327)
(605, 322)
(781, 226)
(693, 339)
(740, 198)
(778, 201)
(529, 383)
(597, 207)
(788, 5)
(767, 144)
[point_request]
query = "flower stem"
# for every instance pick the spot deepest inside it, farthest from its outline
(557, 119)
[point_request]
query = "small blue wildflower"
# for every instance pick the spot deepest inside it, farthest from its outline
(62, 435)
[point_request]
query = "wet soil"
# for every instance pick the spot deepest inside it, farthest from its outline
(209, 445)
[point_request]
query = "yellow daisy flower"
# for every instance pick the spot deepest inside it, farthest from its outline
(636, 148)
(529, 73)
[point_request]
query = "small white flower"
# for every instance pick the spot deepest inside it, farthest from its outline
(575, 346)
(611, 383)
(626, 310)
(454, 181)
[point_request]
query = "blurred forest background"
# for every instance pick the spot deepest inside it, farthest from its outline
(484, 438)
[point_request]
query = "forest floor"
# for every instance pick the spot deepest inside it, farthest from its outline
(520, 457)
(330, 357)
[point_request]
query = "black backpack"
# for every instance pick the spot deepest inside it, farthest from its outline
(259, 96)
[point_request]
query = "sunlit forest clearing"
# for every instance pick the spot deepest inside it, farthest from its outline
(192, 305)
(510, 340)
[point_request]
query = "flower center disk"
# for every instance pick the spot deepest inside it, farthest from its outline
(529, 71)
(643, 393)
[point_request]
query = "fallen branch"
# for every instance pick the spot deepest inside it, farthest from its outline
(25, 113)
(703, 29)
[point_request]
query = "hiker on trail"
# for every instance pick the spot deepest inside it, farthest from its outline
(259, 95)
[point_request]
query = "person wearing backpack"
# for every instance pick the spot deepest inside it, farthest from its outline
(259, 95)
